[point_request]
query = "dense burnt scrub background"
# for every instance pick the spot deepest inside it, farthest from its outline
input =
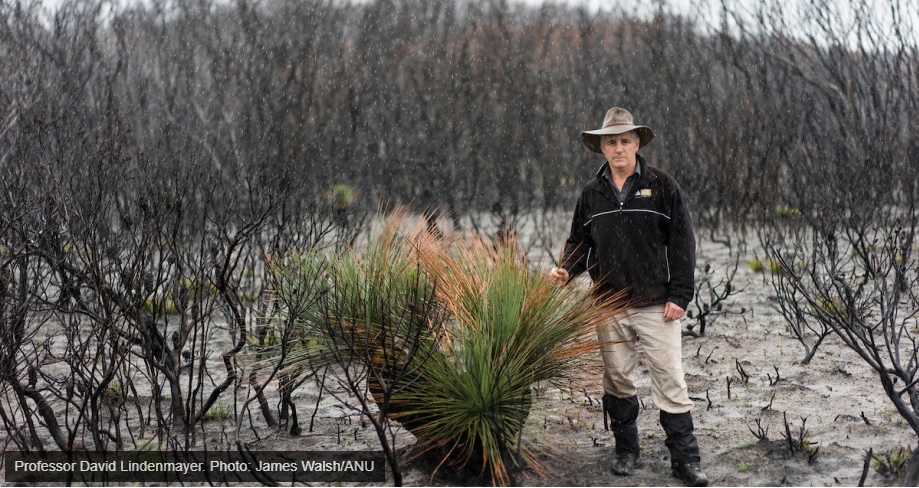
(466, 107)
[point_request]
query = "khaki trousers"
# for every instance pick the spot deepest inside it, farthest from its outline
(660, 340)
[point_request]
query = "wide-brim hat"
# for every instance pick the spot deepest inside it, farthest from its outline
(617, 121)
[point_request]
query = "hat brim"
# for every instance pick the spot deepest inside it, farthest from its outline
(591, 138)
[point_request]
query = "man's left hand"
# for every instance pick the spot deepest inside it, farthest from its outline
(673, 311)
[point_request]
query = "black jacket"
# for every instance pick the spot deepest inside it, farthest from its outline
(644, 247)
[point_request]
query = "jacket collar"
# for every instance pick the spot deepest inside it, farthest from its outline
(644, 173)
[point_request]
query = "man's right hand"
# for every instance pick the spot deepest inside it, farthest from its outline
(559, 274)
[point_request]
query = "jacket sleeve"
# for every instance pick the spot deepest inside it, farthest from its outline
(579, 243)
(681, 251)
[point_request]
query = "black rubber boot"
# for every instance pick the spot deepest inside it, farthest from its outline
(622, 414)
(684, 450)
(691, 474)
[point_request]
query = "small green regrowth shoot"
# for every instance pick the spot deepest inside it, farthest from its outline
(218, 412)
(114, 391)
(800, 443)
(787, 212)
(759, 266)
(893, 463)
(160, 304)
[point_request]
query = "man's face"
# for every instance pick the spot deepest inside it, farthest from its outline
(620, 150)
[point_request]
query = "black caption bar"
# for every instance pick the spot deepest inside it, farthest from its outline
(265, 467)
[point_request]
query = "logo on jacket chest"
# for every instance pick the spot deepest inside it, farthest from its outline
(643, 193)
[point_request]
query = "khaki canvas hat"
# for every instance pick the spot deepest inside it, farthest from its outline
(617, 121)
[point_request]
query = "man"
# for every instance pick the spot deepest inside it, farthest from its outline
(632, 233)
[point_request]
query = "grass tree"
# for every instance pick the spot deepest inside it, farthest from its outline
(512, 329)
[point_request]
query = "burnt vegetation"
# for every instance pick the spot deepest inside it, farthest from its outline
(152, 156)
